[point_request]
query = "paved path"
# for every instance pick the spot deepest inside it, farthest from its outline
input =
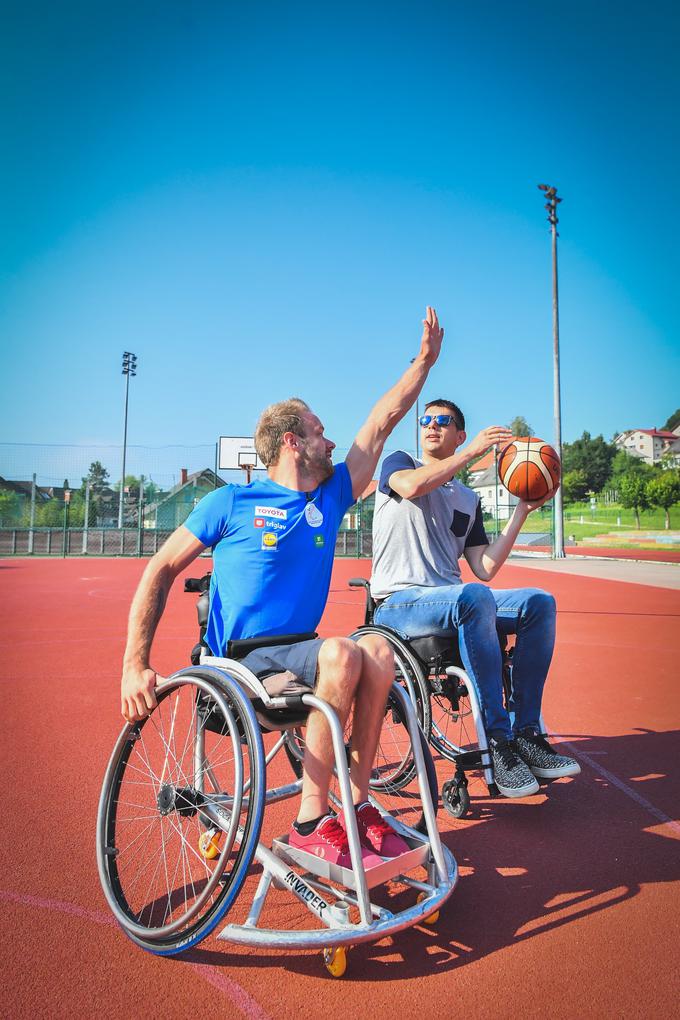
(660, 575)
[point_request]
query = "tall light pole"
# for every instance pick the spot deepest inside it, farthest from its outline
(129, 368)
(551, 206)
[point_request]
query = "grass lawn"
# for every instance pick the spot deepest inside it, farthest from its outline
(611, 520)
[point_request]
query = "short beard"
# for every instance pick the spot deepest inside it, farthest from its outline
(318, 468)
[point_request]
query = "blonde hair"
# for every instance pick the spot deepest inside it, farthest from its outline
(274, 422)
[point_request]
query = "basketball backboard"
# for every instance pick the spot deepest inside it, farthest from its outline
(238, 452)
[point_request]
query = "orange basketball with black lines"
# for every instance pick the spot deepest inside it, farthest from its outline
(529, 468)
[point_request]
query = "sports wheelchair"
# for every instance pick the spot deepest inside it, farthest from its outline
(446, 700)
(182, 806)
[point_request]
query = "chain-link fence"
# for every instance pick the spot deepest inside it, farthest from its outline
(127, 542)
(60, 500)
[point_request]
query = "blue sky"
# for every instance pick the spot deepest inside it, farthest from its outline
(260, 199)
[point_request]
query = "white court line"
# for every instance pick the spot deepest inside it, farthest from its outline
(213, 975)
(620, 785)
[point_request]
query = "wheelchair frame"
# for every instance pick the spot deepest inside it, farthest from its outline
(429, 658)
(327, 891)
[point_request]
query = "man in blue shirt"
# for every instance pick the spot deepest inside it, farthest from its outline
(273, 546)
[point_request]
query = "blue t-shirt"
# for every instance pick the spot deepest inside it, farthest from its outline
(273, 552)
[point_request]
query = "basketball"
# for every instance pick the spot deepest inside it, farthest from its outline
(529, 468)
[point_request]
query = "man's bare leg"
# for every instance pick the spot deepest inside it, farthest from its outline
(377, 675)
(340, 665)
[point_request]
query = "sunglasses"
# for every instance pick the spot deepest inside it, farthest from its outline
(443, 420)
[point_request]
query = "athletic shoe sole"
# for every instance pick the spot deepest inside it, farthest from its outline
(518, 791)
(558, 773)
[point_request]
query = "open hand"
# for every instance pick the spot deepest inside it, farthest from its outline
(494, 435)
(431, 340)
(535, 504)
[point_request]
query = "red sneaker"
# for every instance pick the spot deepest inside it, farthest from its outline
(377, 834)
(329, 841)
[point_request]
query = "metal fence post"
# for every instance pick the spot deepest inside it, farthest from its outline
(140, 515)
(32, 521)
(86, 519)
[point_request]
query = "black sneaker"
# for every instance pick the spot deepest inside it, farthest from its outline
(511, 775)
(542, 759)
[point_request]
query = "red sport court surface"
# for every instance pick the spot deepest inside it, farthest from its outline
(568, 902)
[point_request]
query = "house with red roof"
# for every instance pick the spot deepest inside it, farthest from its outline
(651, 445)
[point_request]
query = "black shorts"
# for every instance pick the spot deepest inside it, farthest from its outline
(296, 663)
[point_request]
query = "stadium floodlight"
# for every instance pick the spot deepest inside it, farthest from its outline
(129, 368)
(551, 206)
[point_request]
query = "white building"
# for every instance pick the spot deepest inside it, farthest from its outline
(494, 497)
(650, 445)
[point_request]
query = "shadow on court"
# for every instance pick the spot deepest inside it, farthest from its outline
(579, 848)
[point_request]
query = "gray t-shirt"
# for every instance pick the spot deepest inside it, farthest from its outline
(419, 541)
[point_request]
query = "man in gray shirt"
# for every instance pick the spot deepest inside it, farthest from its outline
(424, 521)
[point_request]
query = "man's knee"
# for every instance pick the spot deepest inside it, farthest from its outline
(377, 657)
(476, 600)
(340, 663)
(540, 604)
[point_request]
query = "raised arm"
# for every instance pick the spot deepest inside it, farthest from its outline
(391, 408)
(139, 679)
(413, 482)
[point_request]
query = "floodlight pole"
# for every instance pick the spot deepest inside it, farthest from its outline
(129, 368)
(551, 206)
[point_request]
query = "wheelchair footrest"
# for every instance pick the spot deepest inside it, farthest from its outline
(474, 759)
(379, 874)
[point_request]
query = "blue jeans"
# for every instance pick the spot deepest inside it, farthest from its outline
(478, 614)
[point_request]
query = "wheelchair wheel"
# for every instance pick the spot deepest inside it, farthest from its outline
(453, 724)
(408, 673)
(195, 764)
(394, 767)
(393, 784)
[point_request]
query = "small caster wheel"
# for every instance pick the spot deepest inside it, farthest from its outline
(455, 797)
(209, 844)
(431, 918)
(335, 961)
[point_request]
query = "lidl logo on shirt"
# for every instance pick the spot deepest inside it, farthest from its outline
(269, 540)
(318, 541)
(259, 522)
(271, 511)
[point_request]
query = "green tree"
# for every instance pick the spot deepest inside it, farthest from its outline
(132, 484)
(50, 514)
(664, 491)
(151, 491)
(519, 426)
(76, 510)
(11, 507)
(672, 421)
(97, 476)
(633, 494)
(592, 456)
(574, 485)
(625, 463)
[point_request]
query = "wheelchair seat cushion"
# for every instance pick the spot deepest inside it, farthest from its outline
(433, 647)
